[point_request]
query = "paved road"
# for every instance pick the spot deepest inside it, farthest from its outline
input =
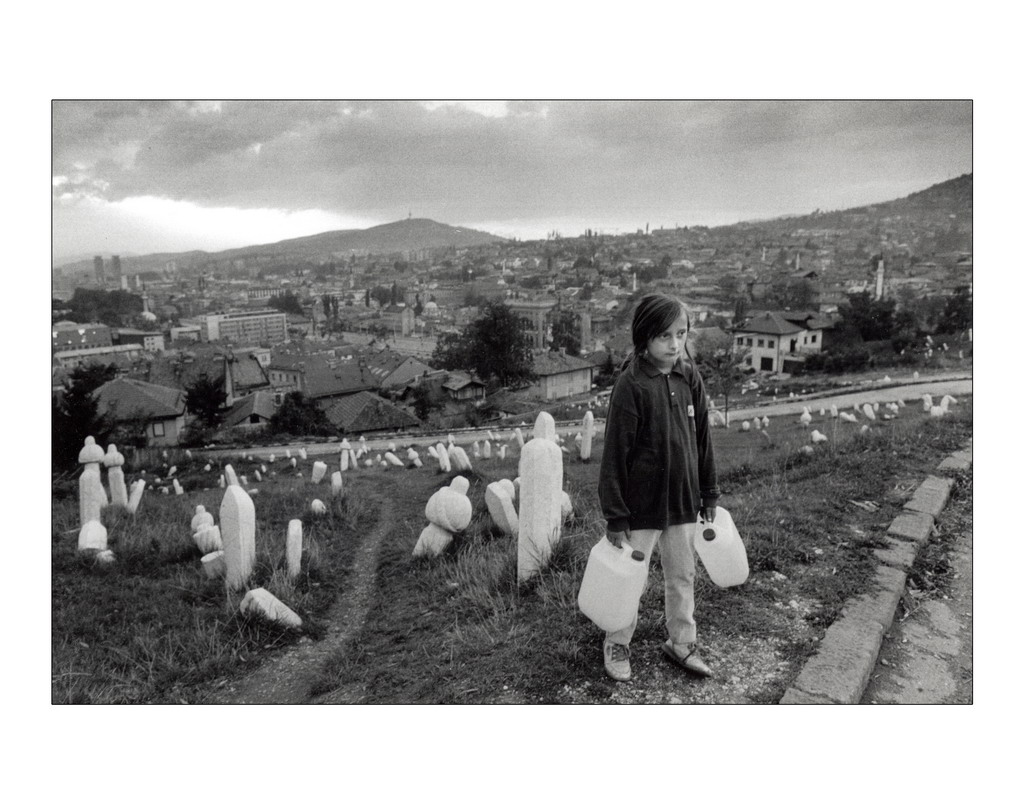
(927, 657)
(915, 391)
(906, 393)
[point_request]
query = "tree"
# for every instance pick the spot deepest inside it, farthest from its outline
(288, 302)
(494, 346)
(871, 318)
(958, 314)
(565, 332)
(113, 308)
(427, 398)
(382, 294)
(299, 415)
(724, 371)
(205, 398)
(74, 414)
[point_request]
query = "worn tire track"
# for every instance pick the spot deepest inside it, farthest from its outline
(289, 679)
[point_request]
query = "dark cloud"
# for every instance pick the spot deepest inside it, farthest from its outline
(377, 159)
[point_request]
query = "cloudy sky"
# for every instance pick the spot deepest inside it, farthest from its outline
(138, 177)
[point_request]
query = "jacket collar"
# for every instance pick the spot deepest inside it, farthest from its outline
(651, 370)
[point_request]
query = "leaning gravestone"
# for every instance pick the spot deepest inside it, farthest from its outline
(113, 461)
(293, 548)
(540, 498)
(442, 458)
(336, 483)
(459, 459)
(501, 508)
(433, 540)
(238, 533)
(319, 471)
(230, 476)
(138, 487)
(263, 603)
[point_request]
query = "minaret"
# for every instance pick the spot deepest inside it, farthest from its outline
(879, 279)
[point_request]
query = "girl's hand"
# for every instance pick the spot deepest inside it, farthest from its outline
(616, 537)
(707, 513)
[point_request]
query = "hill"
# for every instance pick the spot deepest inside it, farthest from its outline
(935, 205)
(411, 234)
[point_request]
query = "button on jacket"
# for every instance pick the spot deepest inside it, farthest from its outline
(658, 463)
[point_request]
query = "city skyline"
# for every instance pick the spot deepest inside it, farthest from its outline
(136, 177)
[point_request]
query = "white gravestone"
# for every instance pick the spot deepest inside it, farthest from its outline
(113, 461)
(501, 508)
(293, 548)
(200, 518)
(238, 533)
(92, 537)
(263, 603)
(588, 436)
(92, 497)
(213, 565)
(449, 507)
(319, 471)
(336, 483)
(540, 498)
(207, 538)
(433, 540)
(138, 487)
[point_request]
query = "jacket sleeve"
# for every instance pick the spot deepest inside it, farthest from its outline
(620, 436)
(706, 470)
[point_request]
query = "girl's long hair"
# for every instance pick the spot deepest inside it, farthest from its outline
(654, 314)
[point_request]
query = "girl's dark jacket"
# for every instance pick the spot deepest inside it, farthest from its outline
(658, 464)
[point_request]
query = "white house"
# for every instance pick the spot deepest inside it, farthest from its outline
(770, 339)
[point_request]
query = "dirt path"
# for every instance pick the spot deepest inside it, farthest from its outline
(289, 679)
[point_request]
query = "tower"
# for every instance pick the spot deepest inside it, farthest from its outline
(879, 279)
(97, 264)
(115, 269)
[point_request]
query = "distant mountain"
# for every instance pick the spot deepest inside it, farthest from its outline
(411, 234)
(952, 199)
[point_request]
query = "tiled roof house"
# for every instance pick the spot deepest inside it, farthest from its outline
(160, 409)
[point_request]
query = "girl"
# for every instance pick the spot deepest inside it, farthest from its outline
(658, 471)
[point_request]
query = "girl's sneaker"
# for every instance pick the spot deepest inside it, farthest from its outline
(616, 661)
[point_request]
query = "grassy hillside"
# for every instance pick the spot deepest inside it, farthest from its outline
(457, 628)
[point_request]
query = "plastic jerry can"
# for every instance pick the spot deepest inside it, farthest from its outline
(721, 550)
(612, 585)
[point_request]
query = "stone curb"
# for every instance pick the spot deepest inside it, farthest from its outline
(839, 672)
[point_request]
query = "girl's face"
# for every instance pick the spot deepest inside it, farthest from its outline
(667, 347)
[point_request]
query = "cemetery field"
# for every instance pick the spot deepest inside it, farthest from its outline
(151, 627)
(457, 628)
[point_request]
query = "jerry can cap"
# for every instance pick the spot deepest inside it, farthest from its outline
(708, 534)
(637, 555)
